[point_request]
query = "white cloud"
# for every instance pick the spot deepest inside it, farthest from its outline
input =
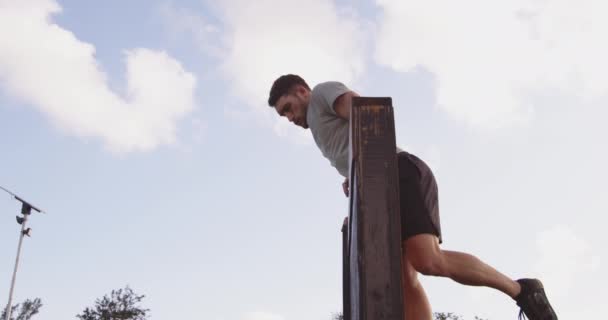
(489, 56)
(180, 21)
(262, 316)
(564, 257)
(570, 269)
(269, 38)
(285, 129)
(49, 68)
(432, 154)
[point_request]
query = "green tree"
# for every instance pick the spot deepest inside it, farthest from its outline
(122, 304)
(23, 311)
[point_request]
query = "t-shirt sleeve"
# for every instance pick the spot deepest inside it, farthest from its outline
(328, 92)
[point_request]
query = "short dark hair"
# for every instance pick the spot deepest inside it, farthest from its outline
(283, 85)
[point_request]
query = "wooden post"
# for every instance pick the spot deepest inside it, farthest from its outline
(374, 231)
(345, 274)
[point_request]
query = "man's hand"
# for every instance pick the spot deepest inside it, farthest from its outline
(345, 187)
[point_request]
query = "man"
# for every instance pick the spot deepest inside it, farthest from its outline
(326, 110)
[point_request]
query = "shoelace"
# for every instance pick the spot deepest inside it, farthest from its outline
(522, 315)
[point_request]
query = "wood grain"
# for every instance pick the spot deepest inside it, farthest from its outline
(373, 248)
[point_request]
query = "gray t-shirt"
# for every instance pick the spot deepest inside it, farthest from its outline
(328, 129)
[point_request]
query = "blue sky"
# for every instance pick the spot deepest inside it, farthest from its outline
(141, 128)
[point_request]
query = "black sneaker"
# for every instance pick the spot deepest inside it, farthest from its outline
(533, 301)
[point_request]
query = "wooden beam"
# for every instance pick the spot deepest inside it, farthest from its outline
(374, 231)
(345, 274)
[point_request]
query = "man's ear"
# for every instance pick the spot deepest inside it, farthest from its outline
(301, 89)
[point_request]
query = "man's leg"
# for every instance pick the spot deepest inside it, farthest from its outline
(416, 304)
(425, 255)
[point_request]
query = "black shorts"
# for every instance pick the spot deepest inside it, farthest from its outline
(418, 198)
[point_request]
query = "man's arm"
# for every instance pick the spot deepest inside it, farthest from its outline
(342, 108)
(343, 103)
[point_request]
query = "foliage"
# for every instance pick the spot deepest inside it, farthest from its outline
(446, 316)
(122, 304)
(23, 311)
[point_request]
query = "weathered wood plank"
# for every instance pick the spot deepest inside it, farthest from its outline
(345, 274)
(374, 239)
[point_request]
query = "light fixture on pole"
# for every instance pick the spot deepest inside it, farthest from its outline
(26, 210)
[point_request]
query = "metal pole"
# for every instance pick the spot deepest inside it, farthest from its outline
(9, 307)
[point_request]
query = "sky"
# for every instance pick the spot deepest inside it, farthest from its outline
(141, 128)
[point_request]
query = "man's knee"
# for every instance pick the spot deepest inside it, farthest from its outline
(425, 255)
(429, 264)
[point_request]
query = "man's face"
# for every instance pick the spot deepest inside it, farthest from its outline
(293, 106)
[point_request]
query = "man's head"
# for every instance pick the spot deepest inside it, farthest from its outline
(290, 96)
